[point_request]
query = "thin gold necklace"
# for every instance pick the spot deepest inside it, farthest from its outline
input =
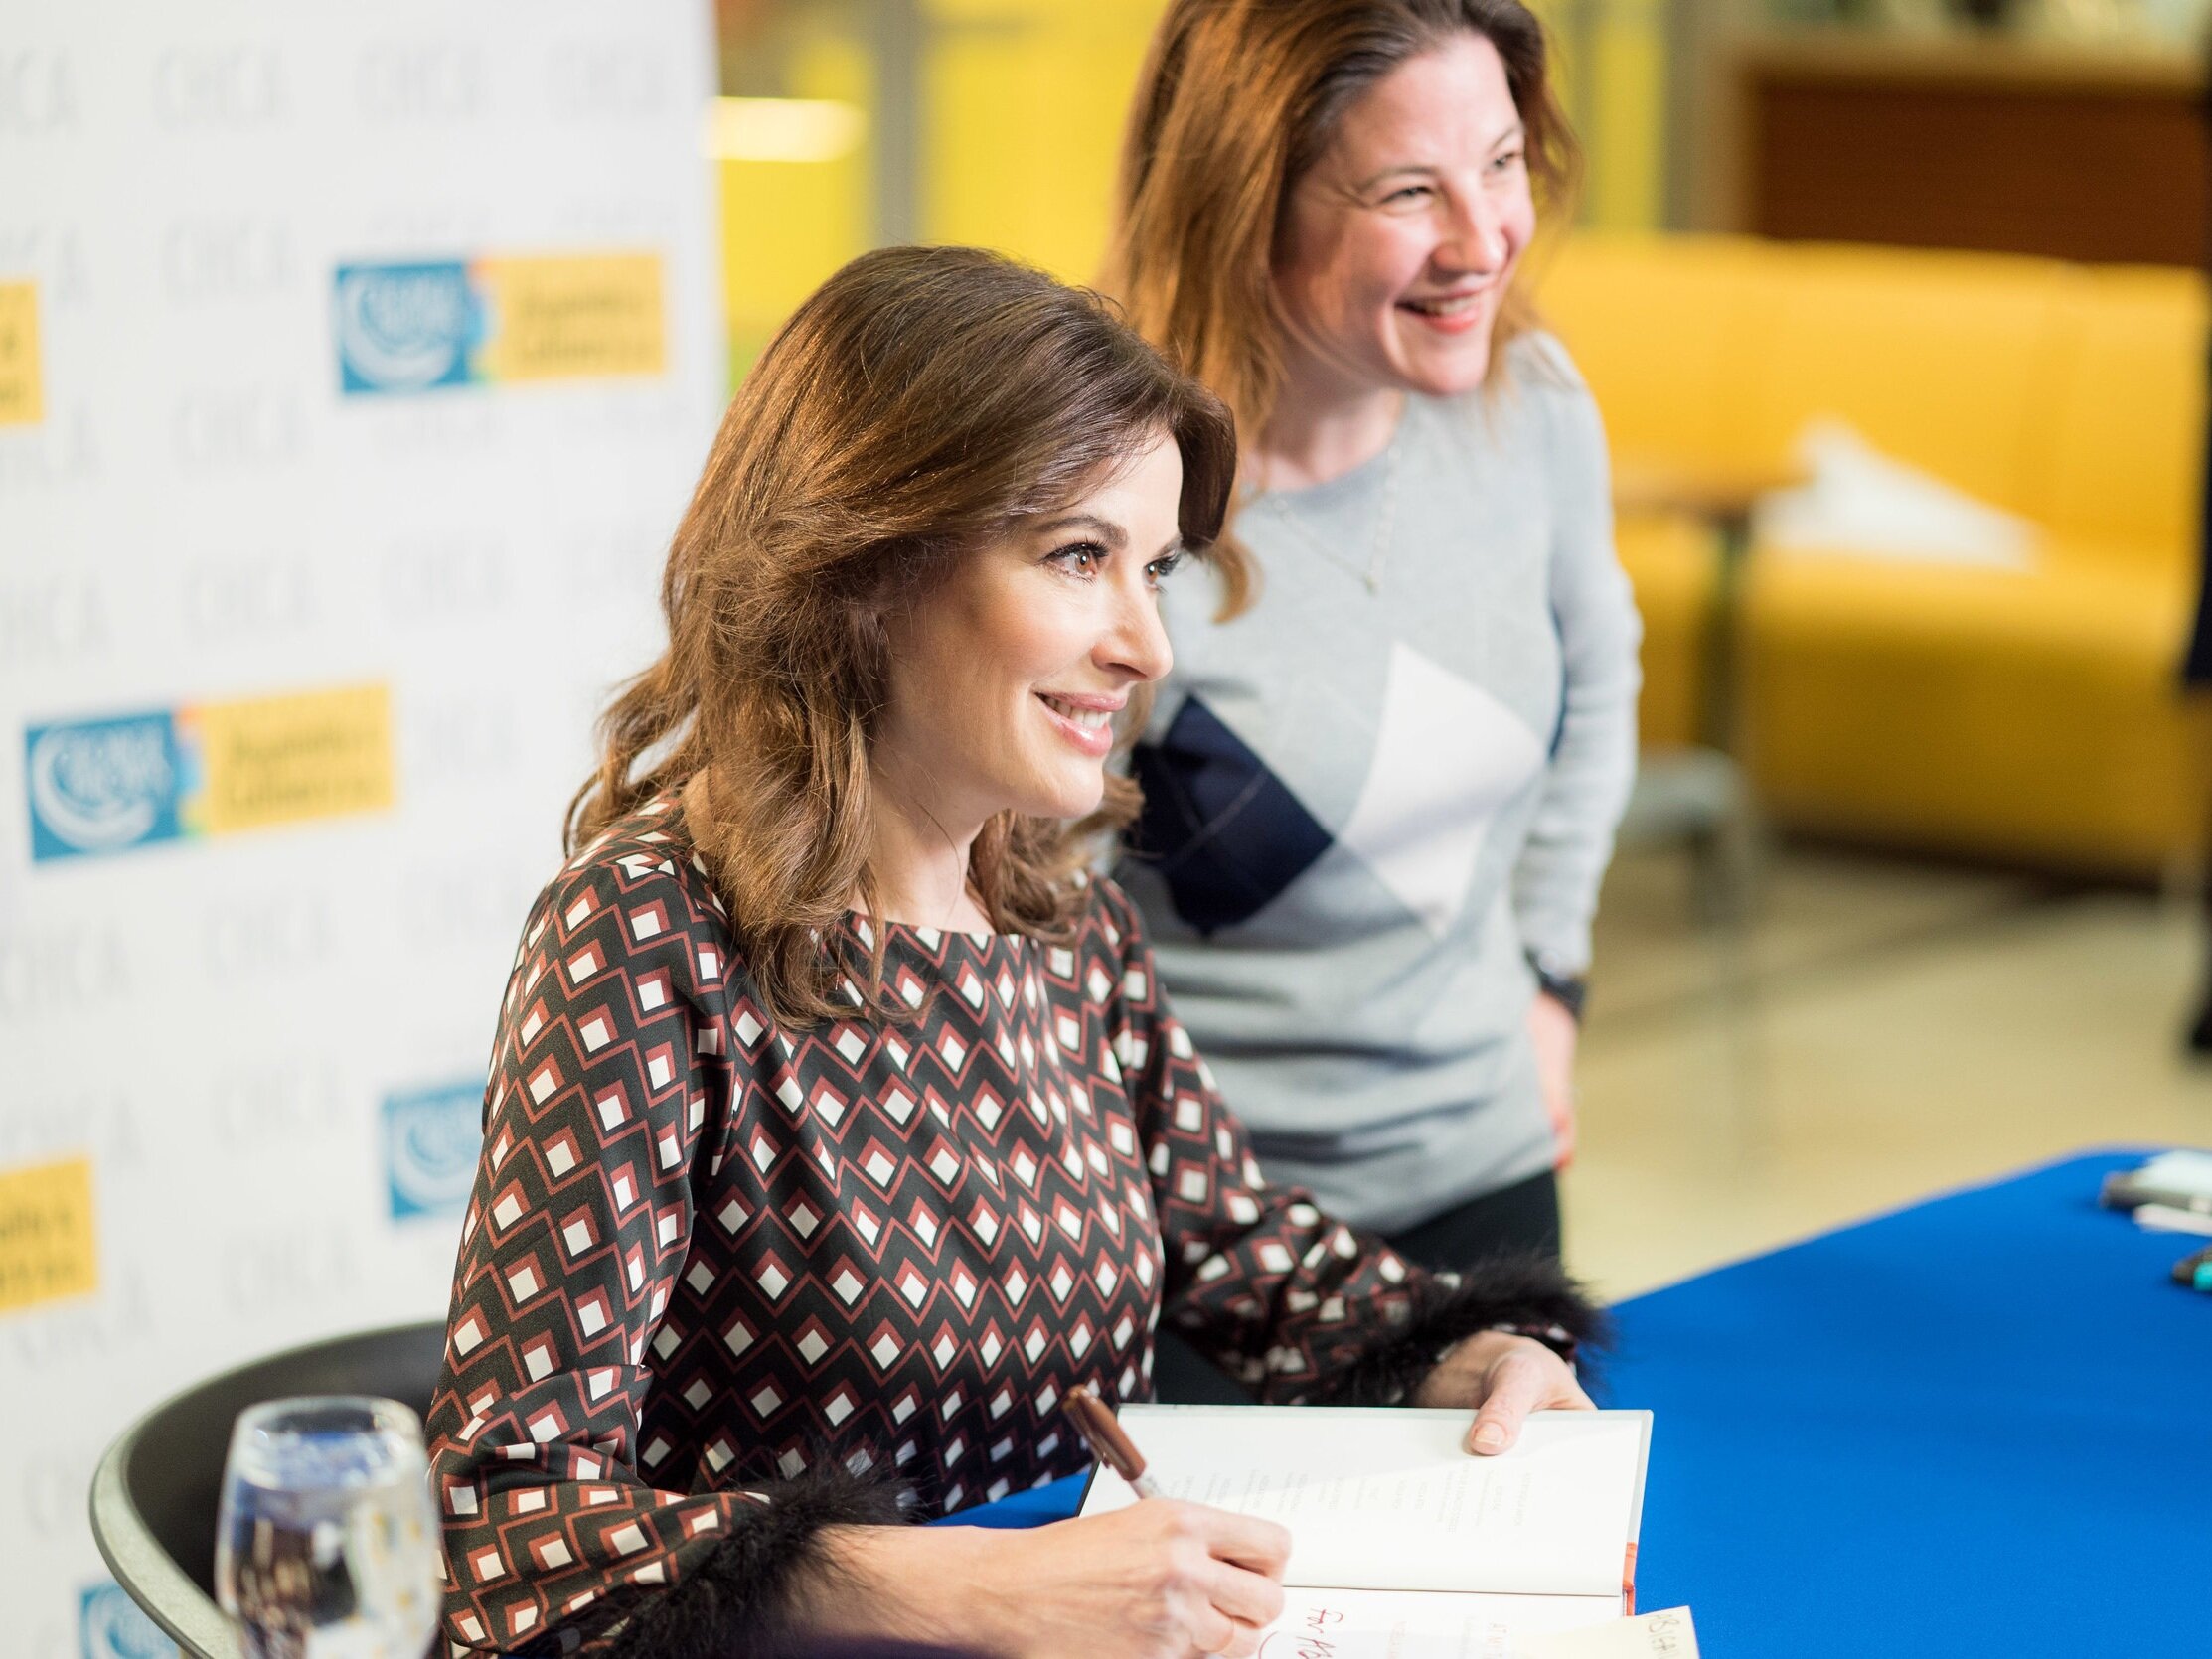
(1386, 521)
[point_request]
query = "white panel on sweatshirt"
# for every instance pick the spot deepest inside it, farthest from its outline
(1447, 756)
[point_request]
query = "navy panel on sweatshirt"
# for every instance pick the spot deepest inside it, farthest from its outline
(1224, 834)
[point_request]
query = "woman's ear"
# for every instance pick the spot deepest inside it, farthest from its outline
(872, 642)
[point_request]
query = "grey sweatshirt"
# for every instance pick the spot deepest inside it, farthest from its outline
(1366, 802)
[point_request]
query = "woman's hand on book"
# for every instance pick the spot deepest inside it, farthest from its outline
(1505, 1376)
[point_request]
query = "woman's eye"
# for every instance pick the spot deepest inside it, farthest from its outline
(1160, 569)
(1408, 194)
(1511, 158)
(1081, 559)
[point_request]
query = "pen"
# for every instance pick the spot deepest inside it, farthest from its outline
(1108, 1439)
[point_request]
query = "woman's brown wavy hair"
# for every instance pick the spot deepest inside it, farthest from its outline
(1237, 100)
(919, 403)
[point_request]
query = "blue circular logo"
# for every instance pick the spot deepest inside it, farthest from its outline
(105, 786)
(434, 1143)
(403, 328)
(115, 1628)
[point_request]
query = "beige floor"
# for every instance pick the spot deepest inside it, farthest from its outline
(1879, 1031)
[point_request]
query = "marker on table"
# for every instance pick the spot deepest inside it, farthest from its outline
(1106, 1436)
(2192, 1271)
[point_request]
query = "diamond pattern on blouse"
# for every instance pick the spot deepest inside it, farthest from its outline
(703, 1254)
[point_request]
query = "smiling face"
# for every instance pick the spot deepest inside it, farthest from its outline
(1398, 243)
(1006, 675)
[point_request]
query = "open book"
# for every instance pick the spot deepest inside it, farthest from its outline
(1401, 1543)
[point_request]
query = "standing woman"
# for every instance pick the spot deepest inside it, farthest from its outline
(1382, 782)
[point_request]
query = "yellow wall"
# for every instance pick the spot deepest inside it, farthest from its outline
(787, 225)
(1025, 104)
(1627, 118)
(1609, 70)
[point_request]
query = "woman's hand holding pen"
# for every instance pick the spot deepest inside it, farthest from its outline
(1162, 1579)
(1191, 1579)
(1506, 1377)
(1157, 1580)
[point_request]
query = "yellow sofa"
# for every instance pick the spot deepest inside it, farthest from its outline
(2029, 717)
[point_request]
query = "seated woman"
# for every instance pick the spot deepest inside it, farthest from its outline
(837, 1126)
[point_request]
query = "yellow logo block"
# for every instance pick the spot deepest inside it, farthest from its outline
(22, 403)
(49, 1249)
(559, 317)
(278, 760)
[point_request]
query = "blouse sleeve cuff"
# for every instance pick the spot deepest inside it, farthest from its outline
(1528, 1289)
(740, 1595)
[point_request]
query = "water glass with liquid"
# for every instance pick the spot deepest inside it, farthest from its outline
(327, 1540)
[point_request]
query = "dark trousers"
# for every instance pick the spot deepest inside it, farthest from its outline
(2196, 674)
(1522, 1217)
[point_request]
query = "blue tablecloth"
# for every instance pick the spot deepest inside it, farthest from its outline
(1982, 1424)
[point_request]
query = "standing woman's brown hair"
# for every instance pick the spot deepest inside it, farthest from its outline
(922, 401)
(1238, 100)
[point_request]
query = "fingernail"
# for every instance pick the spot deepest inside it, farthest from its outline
(1489, 1438)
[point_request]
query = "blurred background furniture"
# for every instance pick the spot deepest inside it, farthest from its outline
(1697, 792)
(156, 1491)
(2074, 151)
(2017, 715)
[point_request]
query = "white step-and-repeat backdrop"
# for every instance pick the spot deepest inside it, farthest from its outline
(355, 365)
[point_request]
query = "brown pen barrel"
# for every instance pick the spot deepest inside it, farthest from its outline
(1106, 1436)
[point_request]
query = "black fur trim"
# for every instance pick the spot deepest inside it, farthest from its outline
(736, 1603)
(1504, 1290)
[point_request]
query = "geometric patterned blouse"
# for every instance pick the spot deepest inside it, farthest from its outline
(720, 1285)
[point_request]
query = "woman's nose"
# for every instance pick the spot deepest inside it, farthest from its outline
(1477, 242)
(1137, 642)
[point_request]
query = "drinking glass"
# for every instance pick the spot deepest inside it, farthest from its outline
(326, 1545)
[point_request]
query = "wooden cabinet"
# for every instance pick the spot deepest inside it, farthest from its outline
(1973, 142)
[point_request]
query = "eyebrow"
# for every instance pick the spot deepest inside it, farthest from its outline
(1519, 129)
(1419, 168)
(1107, 532)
